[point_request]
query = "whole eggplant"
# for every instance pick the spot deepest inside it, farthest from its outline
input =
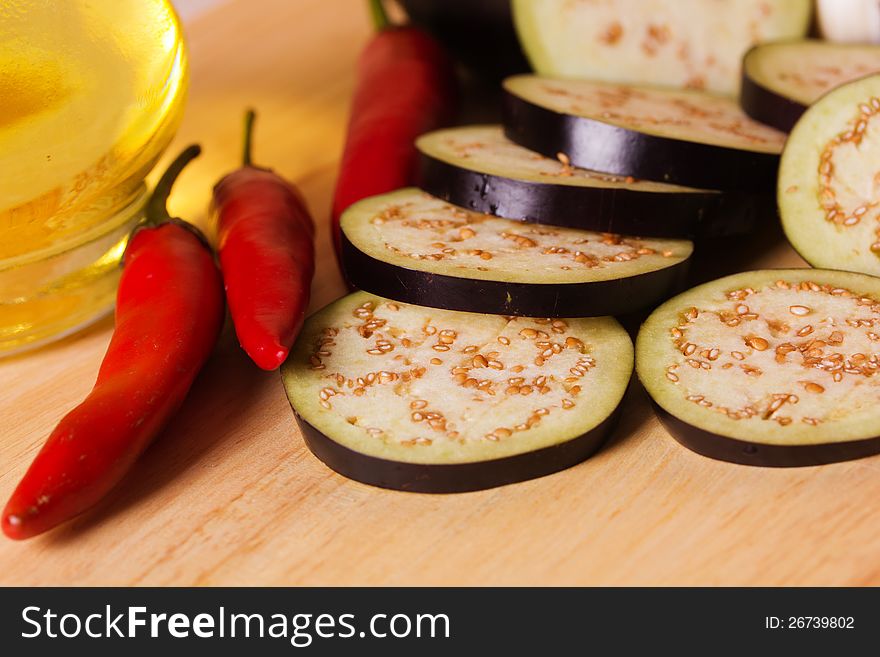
(479, 35)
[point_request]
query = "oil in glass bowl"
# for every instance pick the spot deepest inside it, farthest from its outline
(92, 92)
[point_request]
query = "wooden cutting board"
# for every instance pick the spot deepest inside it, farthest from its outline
(230, 495)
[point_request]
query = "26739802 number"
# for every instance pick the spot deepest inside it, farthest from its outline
(809, 622)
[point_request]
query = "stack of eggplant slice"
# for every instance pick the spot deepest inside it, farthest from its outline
(481, 348)
(515, 222)
(780, 367)
(480, 351)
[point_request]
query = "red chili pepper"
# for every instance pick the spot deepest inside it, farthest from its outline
(169, 312)
(406, 86)
(267, 254)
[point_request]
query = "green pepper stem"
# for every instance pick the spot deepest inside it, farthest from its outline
(379, 15)
(157, 205)
(249, 118)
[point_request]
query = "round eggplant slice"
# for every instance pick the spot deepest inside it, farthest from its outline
(770, 368)
(780, 80)
(682, 137)
(413, 247)
(433, 401)
(478, 168)
(829, 188)
(696, 44)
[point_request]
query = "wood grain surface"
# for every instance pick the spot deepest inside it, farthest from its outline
(230, 495)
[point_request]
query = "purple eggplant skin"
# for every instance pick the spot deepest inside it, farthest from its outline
(721, 448)
(768, 107)
(478, 34)
(601, 209)
(455, 477)
(592, 299)
(600, 146)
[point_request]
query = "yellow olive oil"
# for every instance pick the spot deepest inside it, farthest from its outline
(91, 92)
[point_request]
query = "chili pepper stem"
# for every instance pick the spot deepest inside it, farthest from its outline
(157, 205)
(379, 15)
(249, 118)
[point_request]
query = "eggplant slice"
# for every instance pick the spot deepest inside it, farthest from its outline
(433, 401)
(413, 247)
(829, 187)
(675, 136)
(780, 80)
(478, 168)
(770, 368)
(696, 44)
